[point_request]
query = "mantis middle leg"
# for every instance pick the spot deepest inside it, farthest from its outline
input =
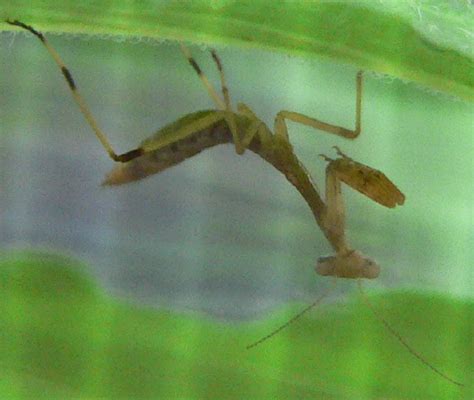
(281, 128)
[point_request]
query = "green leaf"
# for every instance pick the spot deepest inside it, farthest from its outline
(427, 41)
(82, 343)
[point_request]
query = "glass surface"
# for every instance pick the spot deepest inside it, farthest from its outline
(223, 238)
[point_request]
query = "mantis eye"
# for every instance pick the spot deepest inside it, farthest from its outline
(326, 266)
(371, 269)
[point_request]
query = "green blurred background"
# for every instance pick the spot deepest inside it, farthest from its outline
(184, 269)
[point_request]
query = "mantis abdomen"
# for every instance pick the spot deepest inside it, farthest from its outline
(167, 156)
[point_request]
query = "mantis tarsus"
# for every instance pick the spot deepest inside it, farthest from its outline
(198, 131)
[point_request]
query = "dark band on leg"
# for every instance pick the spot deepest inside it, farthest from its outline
(216, 60)
(195, 66)
(69, 79)
(27, 27)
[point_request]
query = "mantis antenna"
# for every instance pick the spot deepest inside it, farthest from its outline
(405, 344)
(348, 263)
(295, 317)
(377, 315)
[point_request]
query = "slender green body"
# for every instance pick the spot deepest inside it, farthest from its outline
(279, 153)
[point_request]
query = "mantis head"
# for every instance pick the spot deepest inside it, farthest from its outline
(351, 264)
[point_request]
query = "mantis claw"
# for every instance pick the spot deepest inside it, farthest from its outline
(325, 157)
(340, 153)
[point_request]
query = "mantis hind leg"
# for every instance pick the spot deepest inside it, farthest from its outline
(78, 97)
(221, 105)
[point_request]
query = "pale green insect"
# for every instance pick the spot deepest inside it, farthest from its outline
(198, 131)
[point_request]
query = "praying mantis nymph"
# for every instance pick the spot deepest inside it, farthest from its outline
(198, 131)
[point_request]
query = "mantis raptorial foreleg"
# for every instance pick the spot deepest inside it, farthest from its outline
(370, 182)
(366, 180)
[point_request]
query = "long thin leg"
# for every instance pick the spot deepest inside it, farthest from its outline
(78, 98)
(317, 124)
(230, 117)
(244, 109)
(265, 136)
(226, 105)
(224, 88)
(210, 89)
